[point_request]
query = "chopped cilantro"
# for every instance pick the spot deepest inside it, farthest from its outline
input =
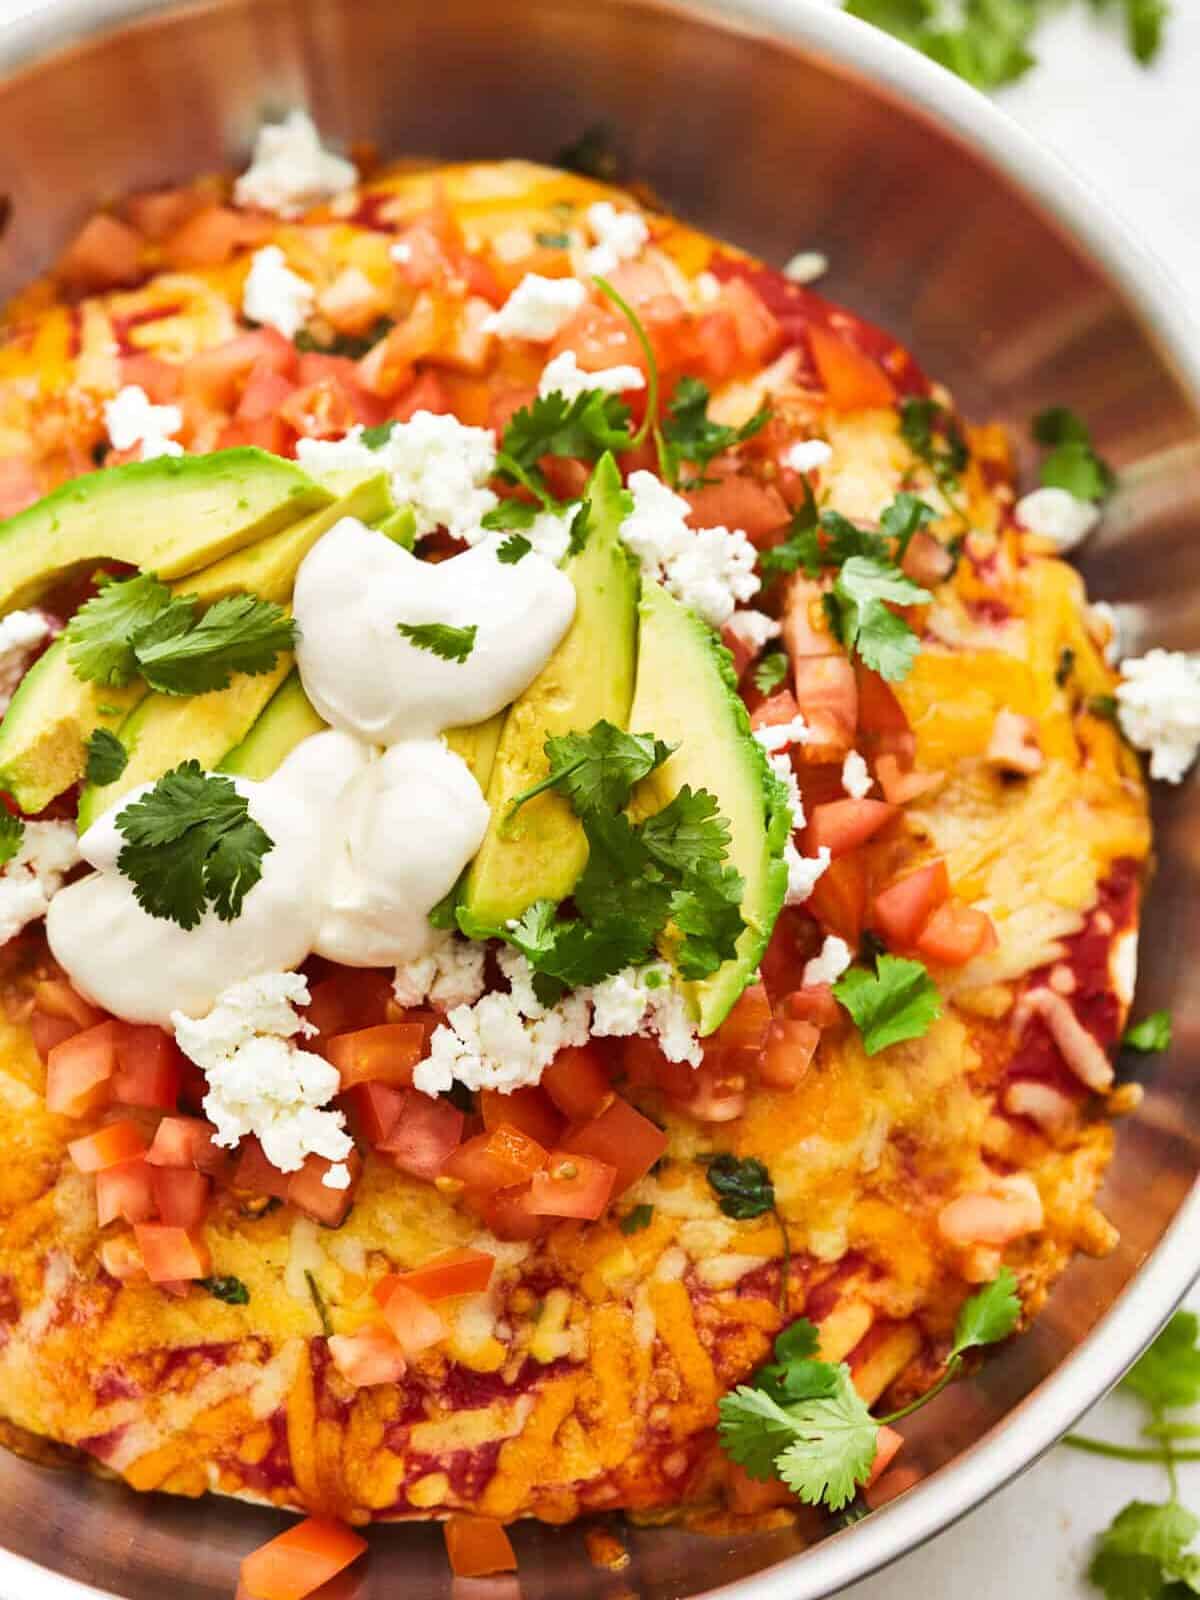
(554, 241)
(934, 436)
(988, 1316)
(898, 1002)
(744, 1188)
(511, 513)
(513, 549)
(1072, 463)
(99, 635)
(1143, 1554)
(597, 770)
(107, 757)
(1103, 706)
(440, 639)
(637, 1219)
(690, 433)
(318, 1300)
(351, 345)
(191, 842)
(862, 594)
(1066, 665)
(1151, 1034)
(770, 672)
(552, 425)
(828, 539)
(377, 436)
(906, 515)
(12, 831)
(232, 1290)
(1168, 1374)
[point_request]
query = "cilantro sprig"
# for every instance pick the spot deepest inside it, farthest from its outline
(692, 435)
(12, 831)
(191, 843)
(1072, 463)
(900, 1001)
(1150, 1035)
(803, 1421)
(134, 626)
(441, 639)
(933, 434)
(770, 672)
(860, 611)
(552, 425)
(107, 757)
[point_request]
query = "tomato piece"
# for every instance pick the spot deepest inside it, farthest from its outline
(738, 502)
(955, 934)
(374, 1109)
(879, 711)
(413, 1321)
(427, 392)
(758, 331)
(842, 825)
(718, 354)
(778, 709)
(788, 1053)
(386, 1053)
(19, 485)
(717, 1090)
(815, 1003)
(839, 898)
(48, 1031)
(351, 1000)
(622, 1137)
(745, 1028)
(600, 337)
(182, 1142)
(368, 1357)
(742, 652)
(256, 1175)
(496, 1159)
(171, 1255)
(109, 1146)
(308, 1191)
(827, 696)
(578, 1083)
(79, 1071)
(180, 1195)
(323, 410)
(456, 1272)
(900, 911)
(572, 1185)
(888, 1444)
(121, 1258)
(529, 1109)
(478, 1547)
(852, 380)
(300, 1559)
(215, 377)
(426, 1132)
(269, 433)
(900, 787)
(104, 254)
(264, 395)
(210, 238)
(160, 379)
(157, 212)
(56, 998)
(125, 1191)
(149, 1069)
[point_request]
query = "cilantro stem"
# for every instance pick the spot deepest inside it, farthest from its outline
(953, 1367)
(650, 420)
(513, 469)
(553, 777)
(1128, 1452)
(1172, 1430)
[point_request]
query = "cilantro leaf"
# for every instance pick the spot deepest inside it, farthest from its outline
(634, 1221)
(885, 641)
(513, 549)
(799, 1341)
(178, 654)
(12, 831)
(100, 634)
(743, 1187)
(1168, 1374)
(988, 1316)
(352, 345)
(1151, 1034)
(707, 911)
(753, 1429)
(597, 770)
(581, 527)
(232, 1290)
(377, 436)
(552, 425)
(906, 515)
(899, 1002)
(511, 514)
(834, 1446)
(440, 639)
(1143, 1554)
(107, 757)
(690, 433)
(1072, 463)
(687, 830)
(770, 672)
(191, 841)
(801, 545)
(1145, 21)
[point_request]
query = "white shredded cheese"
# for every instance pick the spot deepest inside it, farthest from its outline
(803, 872)
(856, 780)
(708, 569)
(777, 736)
(20, 634)
(448, 975)
(754, 628)
(619, 235)
(46, 853)
(807, 454)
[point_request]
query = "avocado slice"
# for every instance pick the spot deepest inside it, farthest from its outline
(171, 515)
(687, 695)
(163, 729)
(285, 722)
(539, 853)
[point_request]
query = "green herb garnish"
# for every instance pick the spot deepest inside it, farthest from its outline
(770, 672)
(900, 1001)
(12, 831)
(232, 1290)
(1072, 463)
(1151, 1034)
(107, 757)
(692, 436)
(513, 549)
(634, 1221)
(440, 639)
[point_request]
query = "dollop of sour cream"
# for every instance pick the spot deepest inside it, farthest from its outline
(372, 821)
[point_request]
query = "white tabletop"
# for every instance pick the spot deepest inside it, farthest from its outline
(1134, 134)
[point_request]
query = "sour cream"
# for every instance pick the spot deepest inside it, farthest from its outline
(364, 676)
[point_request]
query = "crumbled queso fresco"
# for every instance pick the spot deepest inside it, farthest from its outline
(275, 295)
(260, 1082)
(563, 375)
(132, 420)
(20, 634)
(708, 569)
(46, 853)
(291, 171)
(537, 309)
(1158, 704)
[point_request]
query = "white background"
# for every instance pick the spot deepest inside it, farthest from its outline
(1134, 135)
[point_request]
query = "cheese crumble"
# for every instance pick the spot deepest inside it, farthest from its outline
(1057, 515)
(708, 569)
(291, 170)
(563, 375)
(538, 308)
(1158, 706)
(46, 853)
(619, 235)
(20, 634)
(827, 967)
(274, 295)
(449, 975)
(132, 420)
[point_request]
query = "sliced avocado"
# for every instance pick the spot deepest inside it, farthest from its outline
(539, 853)
(163, 729)
(285, 722)
(687, 695)
(477, 745)
(171, 515)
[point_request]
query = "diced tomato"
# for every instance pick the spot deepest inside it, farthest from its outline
(264, 395)
(842, 825)
(742, 652)
(927, 560)
(104, 254)
(171, 1255)
(210, 238)
(368, 1357)
(879, 711)
(793, 943)
(268, 433)
(109, 1146)
(955, 934)
(158, 212)
(125, 1191)
(48, 1031)
(775, 711)
(738, 502)
(716, 1091)
(374, 1110)
(352, 303)
(308, 1191)
(621, 1136)
(121, 1258)
(887, 1446)
(320, 411)
(354, 998)
(149, 1068)
(388, 366)
(746, 1025)
(839, 898)
(577, 1082)
(316, 367)
(815, 1003)
(600, 337)
(529, 1109)
(413, 1321)
(827, 697)
(758, 331)
(79, 1071)
(215, 377)
(718, 354)
(496, 1159)
(456, 1272)
(427, 392)
(424, 1135)
(160, 379)
(19, 485)
(788, 1053)
(900, 911)
(185, 1142)
(478, 1547)
(383, 1054)
(180, 1195)
(57, 998)
(256, 1175)
(506, 1212)
(572, 1185)
(900, 787)
(300, 1560)
(852, 380)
